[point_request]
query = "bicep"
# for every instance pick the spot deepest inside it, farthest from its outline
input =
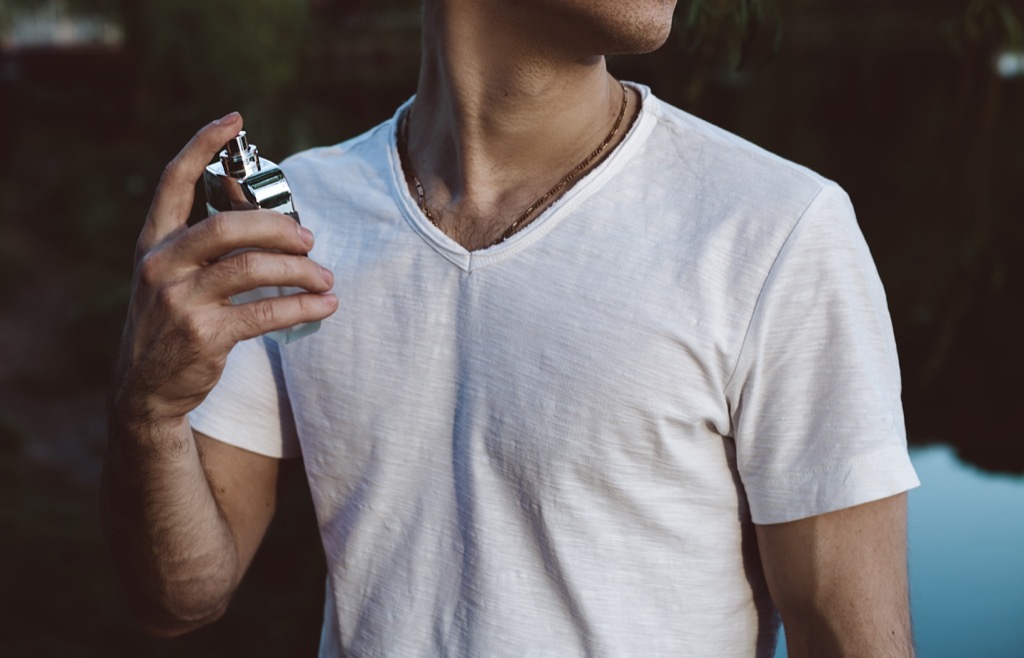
(840, 580)
(244, 484)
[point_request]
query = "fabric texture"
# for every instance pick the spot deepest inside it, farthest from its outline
(558, 446)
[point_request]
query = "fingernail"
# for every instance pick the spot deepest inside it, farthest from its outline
(227, 119)
(328, 275)
(305, 234)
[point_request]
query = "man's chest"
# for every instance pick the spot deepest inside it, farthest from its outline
(542, 370)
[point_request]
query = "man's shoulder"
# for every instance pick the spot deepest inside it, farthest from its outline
(726, 163)
(353, 178)
(720, 193)
(369, 150)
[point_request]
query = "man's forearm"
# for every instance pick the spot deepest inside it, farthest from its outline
(840, 581)
(172, 546)
(817, 636)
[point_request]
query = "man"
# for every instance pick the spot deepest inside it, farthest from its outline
(605, 381)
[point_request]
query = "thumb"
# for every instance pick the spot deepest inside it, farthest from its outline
(172, 202)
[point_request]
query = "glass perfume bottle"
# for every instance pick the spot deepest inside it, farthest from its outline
(242, 180)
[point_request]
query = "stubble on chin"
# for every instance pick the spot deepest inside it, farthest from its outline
(633, 29)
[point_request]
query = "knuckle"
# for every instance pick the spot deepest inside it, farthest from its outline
(170, 171)
(263, 314)
(243, 266)
(149, 269)
(141, 251)
(190, 335)
(190, 328)
(216, 228)
(314, 307)
(167, 296)
(307, 304)
(197, 331)
(314, 277)
(248, 264)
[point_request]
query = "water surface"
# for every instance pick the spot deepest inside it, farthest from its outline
(966, 559)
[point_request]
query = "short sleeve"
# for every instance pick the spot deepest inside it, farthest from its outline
(815, 395)
(249, 407)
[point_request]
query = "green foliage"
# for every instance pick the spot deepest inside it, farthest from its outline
(216, 53)
(734, 24)
(993, 22)
(12, 9)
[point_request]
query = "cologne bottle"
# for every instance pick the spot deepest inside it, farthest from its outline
(242, 180)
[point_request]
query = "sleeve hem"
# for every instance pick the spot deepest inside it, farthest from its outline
(267, 448)
(812, 492)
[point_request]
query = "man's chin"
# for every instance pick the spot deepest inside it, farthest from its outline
(640, 42)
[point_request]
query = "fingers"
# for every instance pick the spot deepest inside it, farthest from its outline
(252, 269)
(173, 199)
(223, 233)
(261, 317)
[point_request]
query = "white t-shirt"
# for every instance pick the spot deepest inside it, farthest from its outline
(557, 446)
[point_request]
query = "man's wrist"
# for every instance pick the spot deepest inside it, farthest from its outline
(137, 425)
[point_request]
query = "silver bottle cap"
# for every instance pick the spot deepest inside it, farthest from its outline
(239, 158)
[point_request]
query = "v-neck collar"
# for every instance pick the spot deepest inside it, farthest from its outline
(548, 219)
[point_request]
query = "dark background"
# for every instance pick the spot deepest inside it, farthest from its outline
(899, 101)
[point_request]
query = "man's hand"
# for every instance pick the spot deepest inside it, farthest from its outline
(840, 581)
(183, 513)
(181, 324)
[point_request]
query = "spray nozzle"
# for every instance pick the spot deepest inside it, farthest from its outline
(239, 158)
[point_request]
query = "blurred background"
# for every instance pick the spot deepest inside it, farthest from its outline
(916, 107)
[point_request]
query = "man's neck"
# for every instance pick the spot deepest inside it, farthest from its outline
(498, 118)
